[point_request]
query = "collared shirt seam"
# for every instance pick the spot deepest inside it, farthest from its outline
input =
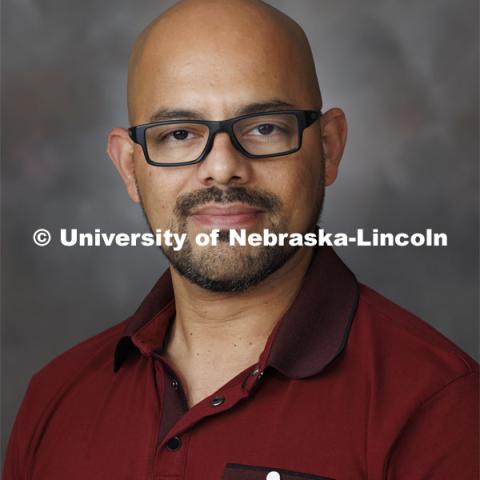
(416, 411)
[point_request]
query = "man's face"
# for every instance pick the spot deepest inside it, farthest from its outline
(218, 80)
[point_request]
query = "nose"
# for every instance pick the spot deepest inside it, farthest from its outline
(224, 164)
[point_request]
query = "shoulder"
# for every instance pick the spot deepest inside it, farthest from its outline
(422, 390)
(400, 348)
(49, 385)
(93, 355)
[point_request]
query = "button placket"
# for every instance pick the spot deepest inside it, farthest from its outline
(218, 400)
(251, 380)
(171, 448)
(170, 462)
(174, 443)
(210, 406)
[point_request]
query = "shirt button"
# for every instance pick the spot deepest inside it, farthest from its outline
(174, 384)
(216, 401)
(273, 476)
(174, 443)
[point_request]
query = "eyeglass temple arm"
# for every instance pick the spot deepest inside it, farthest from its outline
(132, 134)
(311, 116)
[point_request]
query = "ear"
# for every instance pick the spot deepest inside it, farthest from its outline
(120, 149)
(334, 137)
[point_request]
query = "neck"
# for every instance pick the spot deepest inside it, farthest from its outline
(211, 324)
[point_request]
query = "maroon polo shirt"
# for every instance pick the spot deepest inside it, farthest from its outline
(349, 386)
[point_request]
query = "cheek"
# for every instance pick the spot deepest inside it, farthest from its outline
(309, 179)
(158, 194)
(304, 195)
(296, 181)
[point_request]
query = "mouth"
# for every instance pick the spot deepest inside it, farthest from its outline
(229, 216)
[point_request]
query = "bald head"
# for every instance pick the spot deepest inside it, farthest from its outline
(223, 50)
(217, 60)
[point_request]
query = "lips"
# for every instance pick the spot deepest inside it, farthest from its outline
(229, 216)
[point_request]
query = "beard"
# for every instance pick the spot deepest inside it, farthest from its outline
(226, 268)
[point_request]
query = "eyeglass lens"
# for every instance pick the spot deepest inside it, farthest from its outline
(259, 135)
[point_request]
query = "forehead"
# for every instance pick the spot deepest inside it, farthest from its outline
(219, 71)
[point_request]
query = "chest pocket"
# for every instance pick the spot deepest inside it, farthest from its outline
(236, 471)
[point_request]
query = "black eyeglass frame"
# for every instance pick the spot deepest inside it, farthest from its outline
(305, 118)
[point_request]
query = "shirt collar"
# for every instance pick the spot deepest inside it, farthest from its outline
(309, 336)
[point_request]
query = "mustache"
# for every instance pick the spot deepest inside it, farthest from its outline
(264, 200)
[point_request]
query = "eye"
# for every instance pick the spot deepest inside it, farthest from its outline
(265, 128)
(180, 134)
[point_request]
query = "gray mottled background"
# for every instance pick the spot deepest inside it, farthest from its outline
(404, 71)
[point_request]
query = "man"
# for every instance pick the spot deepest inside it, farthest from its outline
(244, 362)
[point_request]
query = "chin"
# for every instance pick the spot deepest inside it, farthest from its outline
(227, 268)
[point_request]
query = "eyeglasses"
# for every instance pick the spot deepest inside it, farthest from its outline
(174, 143)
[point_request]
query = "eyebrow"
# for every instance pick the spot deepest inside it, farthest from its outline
(257, 107)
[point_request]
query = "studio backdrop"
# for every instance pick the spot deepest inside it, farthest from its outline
(404, 72)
